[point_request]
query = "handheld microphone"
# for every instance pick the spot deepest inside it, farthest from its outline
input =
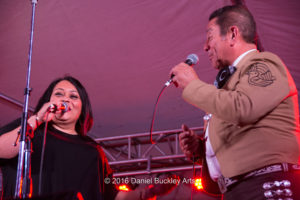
(191, 60)
(63, 107)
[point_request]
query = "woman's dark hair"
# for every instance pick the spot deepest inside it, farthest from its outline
(85, 121)
(236, 15)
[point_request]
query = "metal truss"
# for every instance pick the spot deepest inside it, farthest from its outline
(134, 154)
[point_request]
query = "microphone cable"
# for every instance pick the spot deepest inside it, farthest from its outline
(154, 111)
(194, 176)
(42, 154)
(191, 60)
(151, 130)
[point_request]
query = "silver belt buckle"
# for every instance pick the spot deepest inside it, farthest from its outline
(296, 167)
(222, 185)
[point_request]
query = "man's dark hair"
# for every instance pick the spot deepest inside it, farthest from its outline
(85, 121)
(236, 15)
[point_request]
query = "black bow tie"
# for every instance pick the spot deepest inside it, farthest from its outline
(223, 76)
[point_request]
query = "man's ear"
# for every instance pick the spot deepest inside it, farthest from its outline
(233, 33)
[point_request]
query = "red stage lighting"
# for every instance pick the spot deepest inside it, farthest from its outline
(124, 188)
(198, 184)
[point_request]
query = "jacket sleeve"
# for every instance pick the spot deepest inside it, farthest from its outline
(253, 91)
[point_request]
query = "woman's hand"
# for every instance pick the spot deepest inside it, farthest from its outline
(43, 115)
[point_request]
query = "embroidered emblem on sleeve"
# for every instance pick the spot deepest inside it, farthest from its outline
(260, 75)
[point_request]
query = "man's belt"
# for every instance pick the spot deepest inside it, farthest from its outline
(224, 182)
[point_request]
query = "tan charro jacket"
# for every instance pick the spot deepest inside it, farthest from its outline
(255, 116)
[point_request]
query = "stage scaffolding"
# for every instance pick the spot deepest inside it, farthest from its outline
(132, 155)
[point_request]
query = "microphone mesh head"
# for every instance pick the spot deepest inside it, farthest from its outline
(193, 58)
(64, 107)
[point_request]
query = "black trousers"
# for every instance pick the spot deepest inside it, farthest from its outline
(252, 188)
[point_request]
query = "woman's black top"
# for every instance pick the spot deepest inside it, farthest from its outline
(72, 164)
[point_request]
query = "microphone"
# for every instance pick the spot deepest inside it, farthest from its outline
(191, 60)
(63, 107)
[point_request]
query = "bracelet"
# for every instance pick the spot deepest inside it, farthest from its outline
(37, 119)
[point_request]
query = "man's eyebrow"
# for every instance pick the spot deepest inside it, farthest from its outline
(209, 30)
